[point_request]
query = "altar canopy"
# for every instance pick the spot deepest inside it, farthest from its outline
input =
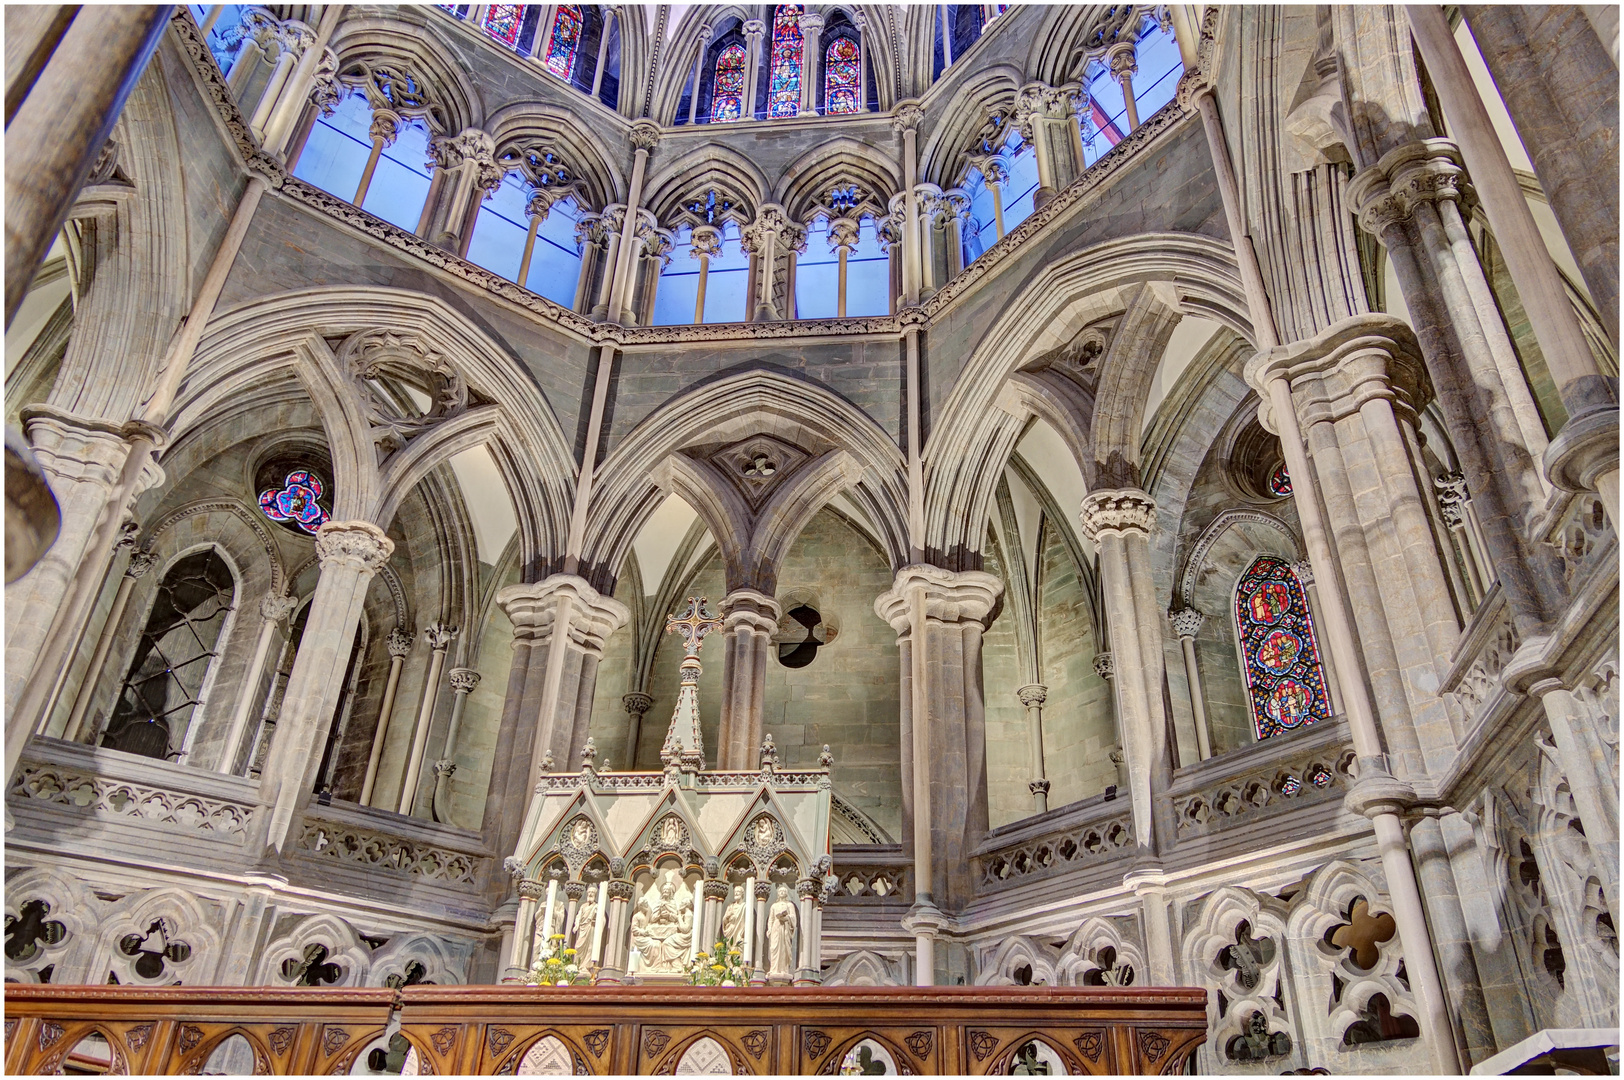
(639, 872)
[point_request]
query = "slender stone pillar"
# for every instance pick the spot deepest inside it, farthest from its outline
(636, 705)
(1124, 65)
(294, 41)
(399, 643)
(906, 120)
(1154, 910)
(811, 54)
(939, 617)
(645, 136)
(749, 620)
(1041, 112)
(549, 700)
(383, 131)
(765, 238)
(705, 33)
(139, 564)
(1454, 505)
(1586, 762)
(438, 636)
(350, 553)
(1187, 624)
(471, 174)
(1119, 522)
(613, 970)
(296, 91)
(463, 681)
(1032, 699)
(524, 930)
(716, 892)
(763, 892)
(995, 175)
(754, 29)
(807, 890)
(273, 609)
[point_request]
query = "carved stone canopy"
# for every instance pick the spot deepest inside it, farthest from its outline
(405, 385)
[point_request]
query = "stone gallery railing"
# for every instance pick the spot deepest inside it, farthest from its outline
(64, 779)
(1089, 831)
(369, 840)
(1311, 765)
(603, 1031)
(872, 874)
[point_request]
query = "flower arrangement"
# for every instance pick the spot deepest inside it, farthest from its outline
(559, 969)
(722, 965)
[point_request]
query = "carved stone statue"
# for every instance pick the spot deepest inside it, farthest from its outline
(733, 917)
(781, 923)
(543, 946)
(585, 917)
(663, 927)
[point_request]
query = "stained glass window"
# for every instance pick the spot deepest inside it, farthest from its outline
(784, 93)
(294, 503)
(503, 21)
(1280, 481)
(565, 44)
(842, 77)
(1284, 677)
(727, 90)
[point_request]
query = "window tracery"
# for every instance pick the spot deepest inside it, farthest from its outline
(296, 503)
(1285, 680)
(842, 77)
(784, 90)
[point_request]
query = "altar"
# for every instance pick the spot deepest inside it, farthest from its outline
(630, 876)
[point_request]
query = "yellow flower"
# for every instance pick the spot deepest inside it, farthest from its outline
(569, 952)
(557, 937)
(718, 967)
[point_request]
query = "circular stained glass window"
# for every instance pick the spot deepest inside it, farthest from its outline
(1280, 481)
(296, 501)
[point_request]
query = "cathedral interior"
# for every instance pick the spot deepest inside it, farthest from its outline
(1130, 492)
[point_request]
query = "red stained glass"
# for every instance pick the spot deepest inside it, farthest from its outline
(842, 77)
(727, 91)
(784, 93)
(503, 22)
(1284, 677)
(1280, 481)
(565, 44)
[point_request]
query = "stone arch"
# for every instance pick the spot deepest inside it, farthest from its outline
(1084, 955)
(1016, 953)
(444, 963)
(678, 181)
(865, 968)
(1072, 36)
(342, 944)
(584, 151)
(185, 920)
(837, 162)
(741, 404)
(985, 96)
(401, 42)
(285, 334)
(72, 904)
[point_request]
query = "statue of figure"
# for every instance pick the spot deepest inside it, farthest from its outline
(585, 917)
(663, 927)
(733, 918)
(781, 922)
(543, 945)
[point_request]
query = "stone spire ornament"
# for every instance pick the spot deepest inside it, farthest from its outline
(684, 745)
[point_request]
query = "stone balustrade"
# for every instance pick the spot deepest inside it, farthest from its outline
(1090, 832)
(1245, 787)
(872, 874)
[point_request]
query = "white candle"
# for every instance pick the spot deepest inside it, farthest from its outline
(749, 919)
(597, 923)
(693, 949)
(547, 921)
(634, 961)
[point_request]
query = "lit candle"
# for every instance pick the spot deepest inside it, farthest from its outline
(547, 921)
(749, 919)
(693, 948)
(597, 923)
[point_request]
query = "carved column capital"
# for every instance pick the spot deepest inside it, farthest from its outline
(1304, 571)
(1388, 192)
(645, 135)
(1186, 622)
(950, 597)
(1452, 497)
(808, 888)
(754, 29)
(750, 610)
(907, 116)
(764, 890)
(706, 32)
(706, 240)
(531, 889)
(636, 703)
(1119, 511)
(717, 890)
(1122, 58)
(574, 890)
(463, 680)
(1035, 694)
(1193, 86)
(399, 642)
(445, 767)
(1040, 786)
(1104, 665)
(276, 607)
(1333, 375)
(140, 563)
(439, 635)
(811, 24)
(356, 545)
(534, 608)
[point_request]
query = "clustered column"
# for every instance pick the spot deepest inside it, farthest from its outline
(438, 636)
(1187, 624)
(749, 620)
(811, 31)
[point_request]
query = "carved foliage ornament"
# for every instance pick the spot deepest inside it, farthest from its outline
(383, 365)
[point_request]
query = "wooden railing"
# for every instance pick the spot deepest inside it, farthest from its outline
(626, 1030)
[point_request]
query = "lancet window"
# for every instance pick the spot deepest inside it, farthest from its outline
(784, 90)
(956, 27)
(727, 94)
(842, 77)
(503, 22)
(527, 229)
(1285, 680)
(173, 660)
(1152, 73)
(564, 45)
(1001, 186)
(707, 278)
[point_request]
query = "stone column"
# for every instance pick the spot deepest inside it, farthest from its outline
(995, 176)
(296, 91)
(807, 890)
(843, 236)
(758, 934)
(472, 174)
(350, 553)
(463, 681)
(762, 239)
(574, 891)
(1454, 504)
(399, 644)
(754, 29)
(941, 615)
(139, 564)
(536, 210)
(383, 131)
(705, 33)
(610, 14)
(1586, 762)
(613, 970)
(1557, 79)
(1151, 889)
(906, 120)
(1118, 522)
(1584, 456)
(749, 620)
(705, 241)
(549, 697)
(1038, 107)
(1124, 65)
(928, 204)
(273, 609)
(1187, 624)
(645, 136)
(1032, 698)
(636, 705)
(294, 41)
(716, 892)
(811, 31)
(438, 636)
(524, 930)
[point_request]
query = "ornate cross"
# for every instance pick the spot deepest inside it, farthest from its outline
(696, 621)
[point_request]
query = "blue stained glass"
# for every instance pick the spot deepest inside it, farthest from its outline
(727, 90)
(842, 77)
(565, 43)
(294, 503)
(784, 92)
(503, 21)
(1285, 680)
(1280, 481)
